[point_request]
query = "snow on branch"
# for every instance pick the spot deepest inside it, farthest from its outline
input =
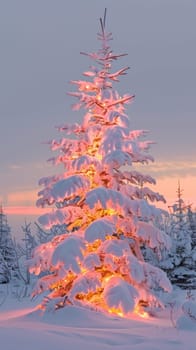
(135, 269)
(83, 162)
(116, 159)
(156, 278)
(49, 180)
(109, 57)
(140, 193)
(91, 261)
(99, 229)
(151, 195)
(60, 216)
(135, 134)
(152, 235)
(120, 295)
(44, 283)
(145, 145)
(137, 178)
(117, 118)
(88, 282)
(69, 253)
(41, 259)
(64, 189)
(67, 145)
(113, 139)
(102, 197)
(125, 99)
(85, 86)
(115, 247)
(70, 129)
(114, 76)
(89, 74)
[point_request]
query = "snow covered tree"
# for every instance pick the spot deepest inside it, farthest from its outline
(7, 251)
(24, 252)
(192, 223)
(180, 261)
(102, 200)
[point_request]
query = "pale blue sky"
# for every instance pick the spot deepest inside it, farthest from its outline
(40, 43)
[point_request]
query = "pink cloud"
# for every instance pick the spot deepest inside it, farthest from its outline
(22, 198)
(168, 187)
(25, 210)
(23, 202)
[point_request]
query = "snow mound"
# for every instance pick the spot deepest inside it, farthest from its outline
(188, 319)
(23, 325)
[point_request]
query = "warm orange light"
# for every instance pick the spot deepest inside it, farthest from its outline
(119, 313)
(140, 312)
(83, 270)
(107, 278)
(99, 156)
(116, 312)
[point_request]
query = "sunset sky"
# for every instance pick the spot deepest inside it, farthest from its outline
(40, 44)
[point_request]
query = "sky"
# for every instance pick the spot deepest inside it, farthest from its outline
(41, 41)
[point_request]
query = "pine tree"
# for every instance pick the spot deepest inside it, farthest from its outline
(25, 251)
(192, 223)
(180, 261)
(22, 285)
(7, 251)
(98, 261)
(181, 230)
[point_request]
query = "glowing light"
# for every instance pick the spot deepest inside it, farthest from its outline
(144, 314)
(140, 312)
(119, 313)
(83, 270)
(99, 156)
(116, 312)
(107, 278)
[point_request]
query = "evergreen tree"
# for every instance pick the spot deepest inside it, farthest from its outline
(7, 251)
(180, 261)
(192, 223)
(24, 252)
(180, 231)
(98, 260)
(23, 249)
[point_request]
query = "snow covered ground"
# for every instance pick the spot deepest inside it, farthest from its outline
(24, 326)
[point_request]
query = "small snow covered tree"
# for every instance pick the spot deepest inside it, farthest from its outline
(180, 261)
(24, 252)
(98, 262)
(7, 251)
(192, 222)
